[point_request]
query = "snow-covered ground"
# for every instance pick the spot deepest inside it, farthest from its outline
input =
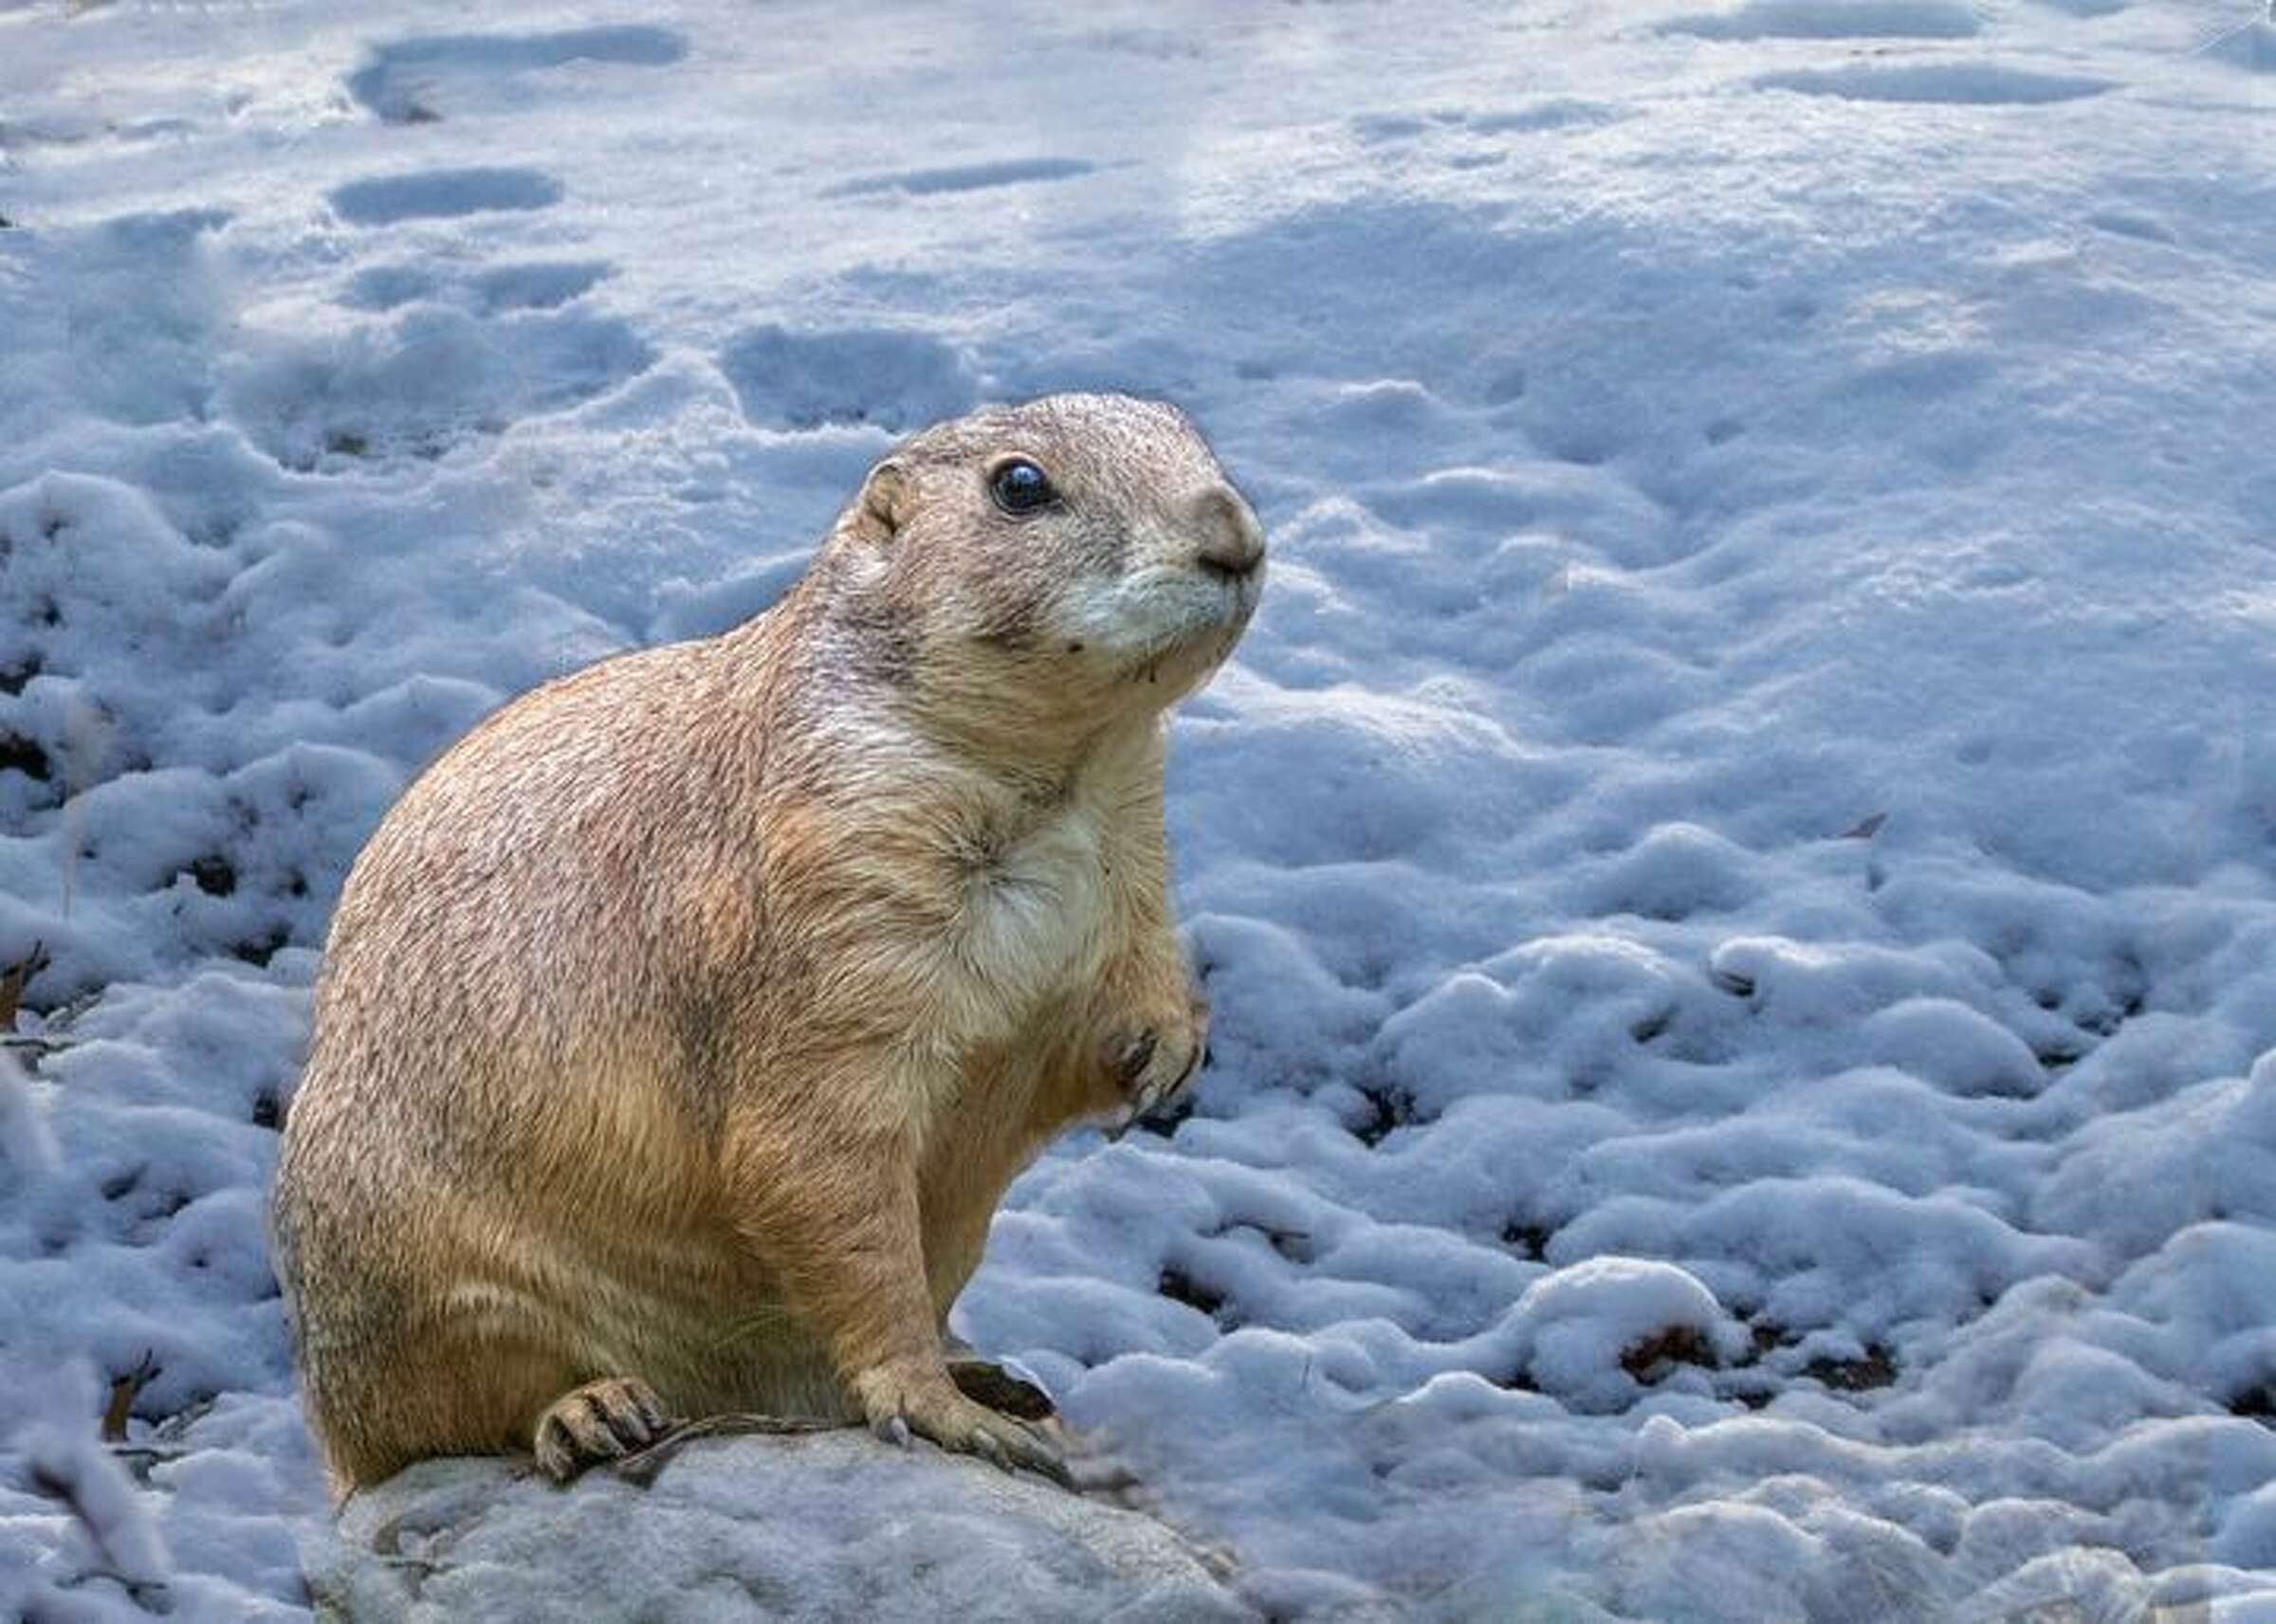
(1737, 865)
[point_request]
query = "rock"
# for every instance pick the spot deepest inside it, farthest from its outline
(826, 1525)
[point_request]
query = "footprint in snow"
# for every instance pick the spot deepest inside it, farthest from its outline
(442, 193)
(535, 284)
(966, 177)
(417, 81)
(1833, 20)
(890, 376)
(461, 356)
(1959, 83)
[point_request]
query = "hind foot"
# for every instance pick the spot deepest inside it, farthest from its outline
(599, 1421)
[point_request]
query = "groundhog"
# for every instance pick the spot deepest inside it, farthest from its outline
(680, 1028)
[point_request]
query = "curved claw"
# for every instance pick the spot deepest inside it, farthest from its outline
(1011, 1443)
(557, 1454)
(602, 1420)
(990, 1449)
(893, 1430)
(633, 1414)
(1029, 1448)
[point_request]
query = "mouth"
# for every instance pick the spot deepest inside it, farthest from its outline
(1175, 624)
(1234, 575)
(1184, 664)
(1236, 591)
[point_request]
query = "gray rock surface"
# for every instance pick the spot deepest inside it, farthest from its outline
(827, 1525)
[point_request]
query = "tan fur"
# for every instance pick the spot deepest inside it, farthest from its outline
(684, 1024)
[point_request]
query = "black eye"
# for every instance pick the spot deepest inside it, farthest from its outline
(1020, 486)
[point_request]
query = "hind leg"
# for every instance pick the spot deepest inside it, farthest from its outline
(395, 1402)
(600, 1421)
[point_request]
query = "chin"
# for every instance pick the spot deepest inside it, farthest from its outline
(1176, 666)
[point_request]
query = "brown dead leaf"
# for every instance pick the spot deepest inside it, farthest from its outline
(124, 1391)
(13, 981)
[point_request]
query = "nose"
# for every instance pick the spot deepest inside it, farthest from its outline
(1228, 541)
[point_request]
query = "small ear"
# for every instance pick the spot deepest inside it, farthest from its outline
(886, 502)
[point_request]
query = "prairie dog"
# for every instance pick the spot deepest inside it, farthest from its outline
(681, 1027)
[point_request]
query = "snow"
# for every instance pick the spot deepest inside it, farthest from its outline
(1733, 867)
(101, 1524)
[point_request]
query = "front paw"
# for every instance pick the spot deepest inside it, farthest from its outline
(903, 1402)
(602, 1420)
(1149, 1062)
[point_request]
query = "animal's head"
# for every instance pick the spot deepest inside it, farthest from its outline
(1084, 548)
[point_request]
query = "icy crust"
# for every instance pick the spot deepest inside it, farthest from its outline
(1734, 865)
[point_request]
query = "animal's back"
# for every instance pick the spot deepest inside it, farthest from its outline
(494, 1121)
